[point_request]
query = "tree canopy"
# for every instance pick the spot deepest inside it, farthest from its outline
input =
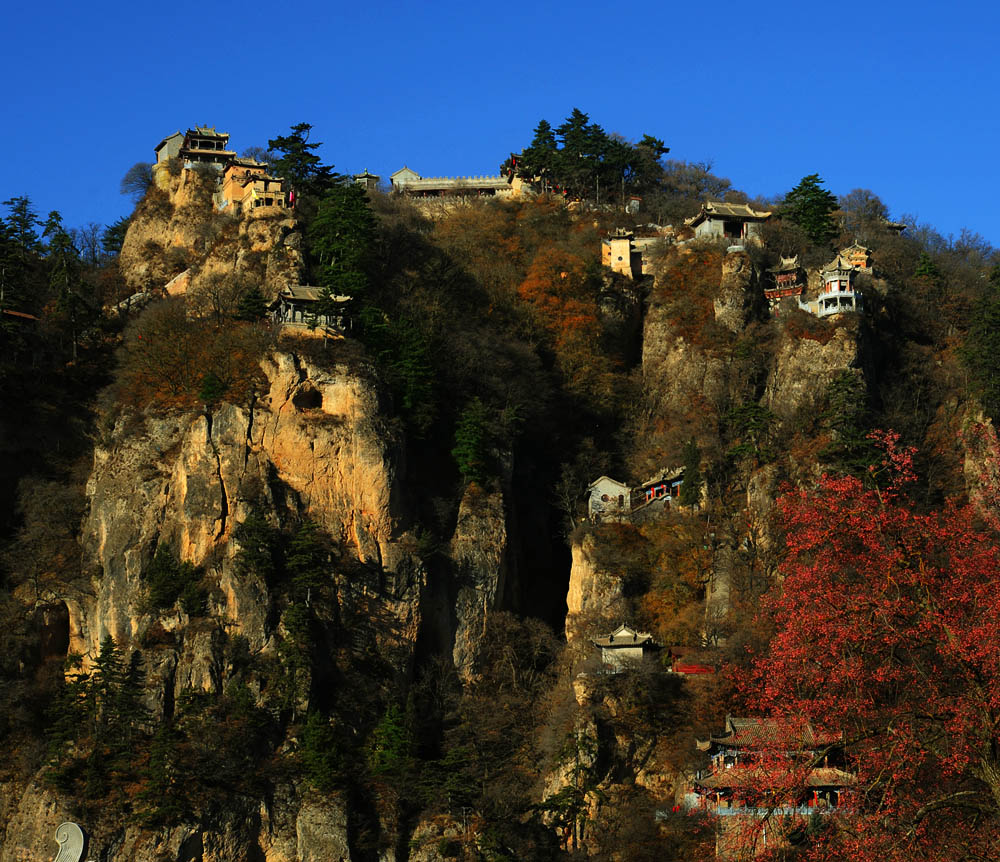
(295, 159)
(582, 160)
(887, 639)
(811, 207)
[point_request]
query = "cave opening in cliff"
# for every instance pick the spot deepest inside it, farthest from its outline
(53, 626)
(307, 398)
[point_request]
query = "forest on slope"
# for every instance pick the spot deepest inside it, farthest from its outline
(502, 370)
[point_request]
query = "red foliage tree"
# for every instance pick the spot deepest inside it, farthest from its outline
(888, 631)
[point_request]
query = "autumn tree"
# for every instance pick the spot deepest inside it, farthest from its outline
(887, 640)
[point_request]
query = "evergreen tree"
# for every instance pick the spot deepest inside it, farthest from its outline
(251, 306)
(691, 486)
(341, 236)
(981, 350)
(167, 577)
(584, 147)
(21, 224)
(307, 561)
(539, 159)
(164, 799)
(260, 548)
(811, 207)
(391, 744)
(107, 682)
(114, 236)
(296, 161)
(472, 451)
(848, 417)
(72, 308)
(320, 752)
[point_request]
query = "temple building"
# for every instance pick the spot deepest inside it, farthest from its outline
(246, 186)
(298, 307)
(624, 253)
(369, 182)
(608, 500)
(763, 773)
(200, 145)
(858, 256)
(787, 280)
(625, 647)
(737, 223)
(408, 181)
(839, 293)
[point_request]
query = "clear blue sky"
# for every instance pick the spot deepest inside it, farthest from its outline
(895, 97)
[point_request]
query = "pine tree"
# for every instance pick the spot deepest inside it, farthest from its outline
(390, 746)
(848, 417)
(341, 236)
(113, 237)
(320, 752)
(298, 164)
(307, 561)
(691, 486)
(251, 306)
(539, 158)
(473, 443)
(811, 207)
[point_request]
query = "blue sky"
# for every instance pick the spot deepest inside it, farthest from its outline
(894, 97)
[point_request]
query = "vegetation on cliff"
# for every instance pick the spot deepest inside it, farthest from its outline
(511, 371)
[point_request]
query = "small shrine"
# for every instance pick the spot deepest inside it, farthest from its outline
(734, 222)
(624, 647)
(787, 279)
(858, 256)
(246, 185)
(839, 292)
(299, 307)
(204, 145)
(369, 182)
(608, 500)
(665, 487)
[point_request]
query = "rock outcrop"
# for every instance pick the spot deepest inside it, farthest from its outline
(314, 445)
(177, 241)
(479, 555)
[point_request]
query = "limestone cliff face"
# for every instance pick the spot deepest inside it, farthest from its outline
(479, 554)
(738, 292)
(314, 445)
(592, 591)
(804, 367)
(285, 829)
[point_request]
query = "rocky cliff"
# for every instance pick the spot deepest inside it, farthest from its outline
(177, 241)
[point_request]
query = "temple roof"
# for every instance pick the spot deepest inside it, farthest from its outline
(762, 733)
(838, 264)
(246, 163)
(167, 138)
(663, 476)
(600, 479)
(722, 210)
(308, 293)
(624, 636)
(207, 132)
(762, 778)
(787, 264)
